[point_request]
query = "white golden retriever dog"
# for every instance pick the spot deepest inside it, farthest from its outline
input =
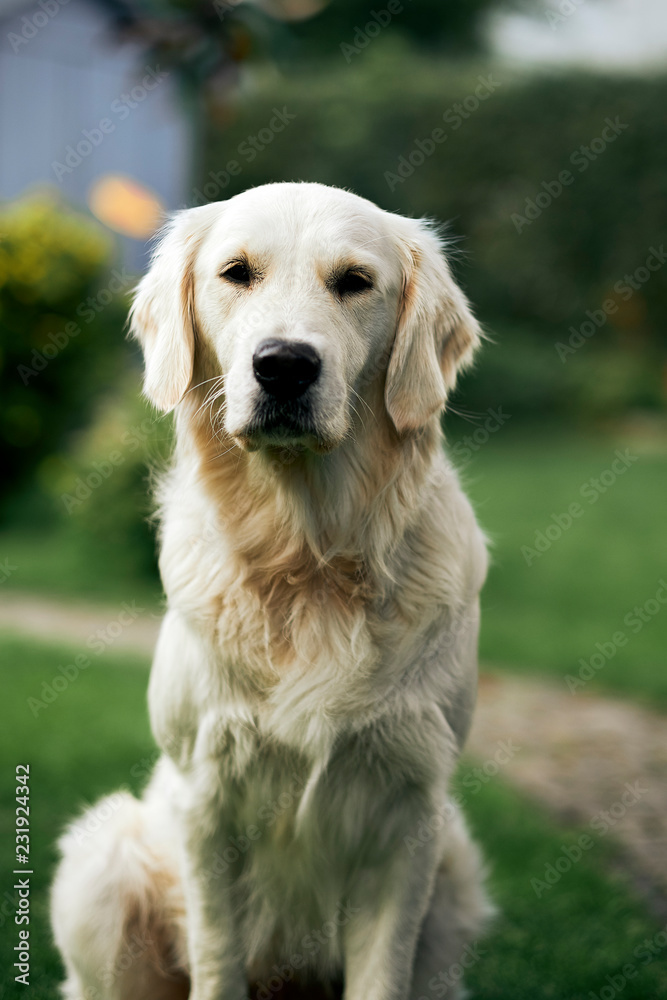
(316, 670)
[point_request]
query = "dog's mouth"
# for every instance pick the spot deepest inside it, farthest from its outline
(289, 425)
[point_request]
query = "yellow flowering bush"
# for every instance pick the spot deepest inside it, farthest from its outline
(63, 301)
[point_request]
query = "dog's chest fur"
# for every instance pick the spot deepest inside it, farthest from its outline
(308, 602)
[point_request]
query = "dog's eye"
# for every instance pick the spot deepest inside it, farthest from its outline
(238, 273)
(352, 282)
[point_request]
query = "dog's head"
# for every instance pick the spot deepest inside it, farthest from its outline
(287, 302)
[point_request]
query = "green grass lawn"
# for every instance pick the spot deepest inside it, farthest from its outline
(85, 743)
(546, 611)
(94, 737)
(59, 563)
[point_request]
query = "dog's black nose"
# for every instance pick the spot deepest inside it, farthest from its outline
(285, 368)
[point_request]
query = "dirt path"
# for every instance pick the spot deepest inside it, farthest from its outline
(128, 626)
(596, 762)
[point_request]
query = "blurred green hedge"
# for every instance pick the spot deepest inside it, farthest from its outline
(507, 138)
(63, 304)
(100, 486)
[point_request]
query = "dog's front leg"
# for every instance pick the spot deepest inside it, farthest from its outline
(216, 966)
(195, 735)
(380, 939)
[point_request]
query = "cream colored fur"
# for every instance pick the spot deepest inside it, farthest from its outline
(316, 671)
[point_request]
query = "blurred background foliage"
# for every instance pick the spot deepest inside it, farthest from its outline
(359, 103)
(52, 263)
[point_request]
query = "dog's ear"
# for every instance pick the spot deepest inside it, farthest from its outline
(436, 334)
(162, 317)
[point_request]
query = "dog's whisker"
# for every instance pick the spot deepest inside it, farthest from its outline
(357, 414)
(363, 401)
(472, 416)
(205, 402)
(223, 453)
(199, 384)
(210, 399)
